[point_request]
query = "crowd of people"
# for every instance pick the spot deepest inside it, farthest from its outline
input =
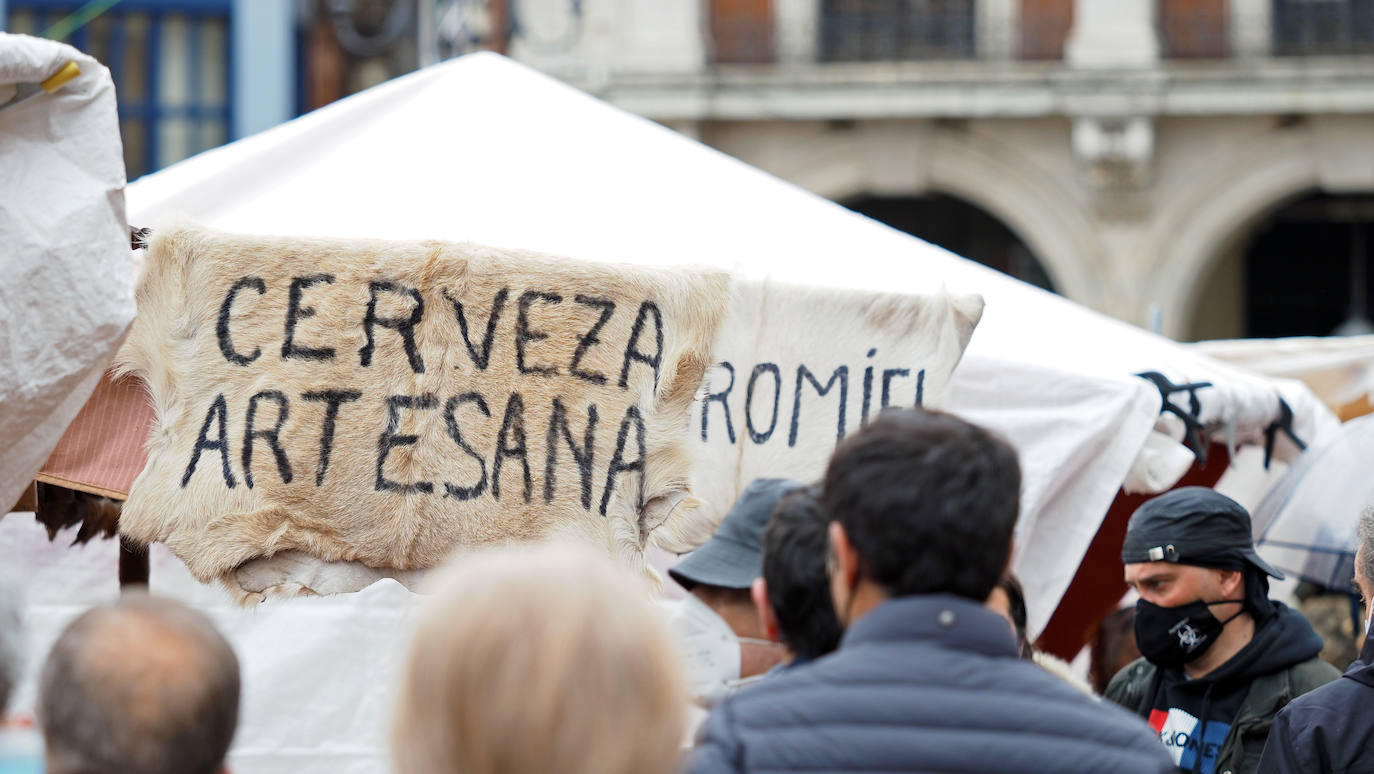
(867, 622)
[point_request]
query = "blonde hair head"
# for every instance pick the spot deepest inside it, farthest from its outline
(538, 659)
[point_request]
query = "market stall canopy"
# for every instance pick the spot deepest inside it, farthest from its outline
(483, 149)
(1339, 369)
(68, 290)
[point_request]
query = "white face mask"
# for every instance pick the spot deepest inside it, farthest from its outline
(708, 648)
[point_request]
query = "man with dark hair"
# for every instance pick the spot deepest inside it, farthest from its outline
(1329, 730)
(926, 678)
(1219, 658)
(793, 594)
(140, 685)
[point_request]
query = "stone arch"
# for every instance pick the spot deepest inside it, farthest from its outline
(1031, 201)
(1035, 203)
(1245, 186)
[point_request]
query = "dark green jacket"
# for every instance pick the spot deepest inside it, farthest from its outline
(1240, 753)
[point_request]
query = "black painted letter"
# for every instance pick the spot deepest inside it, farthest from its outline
(723, 396)
(402, 325)
(273, 437)
(523, 333)
(218, 414)
(510, 442)
(868, 390)
(762, 368)
(295, 312)
(482, 358)
(331, 400)
(842, 374)
(558, 422)
(632, 352)
(390, 440)
(618, 463)
(888, 375)
(607, 308)
(226, 346)
(450, 409)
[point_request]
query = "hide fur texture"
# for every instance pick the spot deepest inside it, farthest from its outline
(387, 402)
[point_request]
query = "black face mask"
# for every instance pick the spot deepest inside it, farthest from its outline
(1170, 637)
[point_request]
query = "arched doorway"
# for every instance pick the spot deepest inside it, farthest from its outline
(959, 227)
(1302, 271)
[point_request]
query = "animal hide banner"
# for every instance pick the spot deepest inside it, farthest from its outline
(797, 369)
(331, 410)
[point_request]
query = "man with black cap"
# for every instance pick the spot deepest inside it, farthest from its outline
(717, 626)
(1220, 658)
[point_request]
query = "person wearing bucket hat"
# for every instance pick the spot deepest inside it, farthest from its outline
(717, 626)
(1219, 657)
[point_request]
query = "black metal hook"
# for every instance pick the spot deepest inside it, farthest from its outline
(1284, 424)
(1192, 418)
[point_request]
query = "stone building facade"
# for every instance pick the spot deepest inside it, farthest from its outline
(1205, 167)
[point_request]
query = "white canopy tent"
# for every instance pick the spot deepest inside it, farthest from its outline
(484, 149)
(1339, 369)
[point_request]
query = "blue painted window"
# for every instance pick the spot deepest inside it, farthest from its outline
(171, 65)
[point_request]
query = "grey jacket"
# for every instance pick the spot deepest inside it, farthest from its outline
(923, 684)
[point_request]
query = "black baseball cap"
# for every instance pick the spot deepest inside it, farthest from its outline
(733, 557)
(1193, 525)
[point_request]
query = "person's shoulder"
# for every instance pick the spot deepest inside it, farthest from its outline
(785, 685)
(1334, 697)
(1134, 677)
(1061, 669)
(1311, 674)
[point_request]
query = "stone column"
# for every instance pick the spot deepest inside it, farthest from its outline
(797, 26)
(997, 24)
(1251, 23)
(1112, 33)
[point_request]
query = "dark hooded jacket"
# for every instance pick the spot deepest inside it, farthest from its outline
(1237, 701)
(1330, 730)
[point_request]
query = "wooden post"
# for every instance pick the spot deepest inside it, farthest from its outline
(133, 564)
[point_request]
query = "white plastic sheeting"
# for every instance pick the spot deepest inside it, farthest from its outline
(1306, 524)
(67, 297)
